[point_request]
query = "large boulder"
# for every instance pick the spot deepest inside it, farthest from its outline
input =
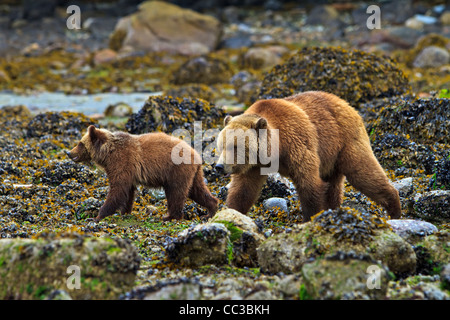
(228, 238)
(163, 27)
(86, 268)
(342, 230)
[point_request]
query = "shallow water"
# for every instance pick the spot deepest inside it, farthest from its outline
(88, 104)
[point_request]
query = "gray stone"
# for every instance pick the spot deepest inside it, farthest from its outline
(432, 57)
(412, 230)
(404, 186)
(276, 204)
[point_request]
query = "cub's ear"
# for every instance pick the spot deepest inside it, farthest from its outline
(260, 124)
(96, 135)
(227, 120)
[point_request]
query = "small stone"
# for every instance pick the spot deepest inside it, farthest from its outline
(404, 187)
(276, 204)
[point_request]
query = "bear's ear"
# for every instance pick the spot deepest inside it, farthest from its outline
(96, 135)
(227, 120)
(260, 124)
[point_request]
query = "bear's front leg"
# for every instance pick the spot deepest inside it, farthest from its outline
(116, 198)
(245, 189)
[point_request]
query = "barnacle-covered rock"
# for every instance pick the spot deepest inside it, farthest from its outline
(100, 268)
(433, 206)
(206, 69)
(330, 231)
(59, 123)
(200, 245)
(422, 120)
(441, 176)
(353, 75)
(166, 114)
(57, 172)
(395, 151)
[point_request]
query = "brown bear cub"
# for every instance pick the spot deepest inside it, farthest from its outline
(131, 160)
(321, 141)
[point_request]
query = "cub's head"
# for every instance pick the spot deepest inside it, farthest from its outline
(90, 146)
(239, 143)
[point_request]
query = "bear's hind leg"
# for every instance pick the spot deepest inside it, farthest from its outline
(366, 175)
(200, 193)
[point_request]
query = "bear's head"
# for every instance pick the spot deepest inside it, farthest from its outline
(239, 143)
(90, 146)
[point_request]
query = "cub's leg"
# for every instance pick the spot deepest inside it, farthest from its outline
(200, 193)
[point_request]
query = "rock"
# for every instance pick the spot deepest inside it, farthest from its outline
(55, 172)
(336, 230)
(432, 57)
(436, 248)
(325, 68)
(195, 91)
(170, 289)
(414, 23)
(119, 110)
(420, 119)
(276, 204)
(104, 56)
(33, 268)
(200, 245)
(276, 186)
(445, 18)
(345, 277)
(59, 123)
(206, 69)
(441, 176)
(404, 186)
(245, 236)
(289, 286)
(262, 58)
(167, 114)
(419, 287)
(323, 15)
(396, 12)
(412, 230)
(163, 27)
(433, 206)
(400, 37)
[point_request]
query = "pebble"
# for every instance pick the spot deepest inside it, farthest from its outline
(276, 204)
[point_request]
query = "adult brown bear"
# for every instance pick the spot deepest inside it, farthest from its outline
(322, 140)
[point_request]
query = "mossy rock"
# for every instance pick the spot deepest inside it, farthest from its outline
(353, 75)
(33, 268)
(345, 276)
(332, 231)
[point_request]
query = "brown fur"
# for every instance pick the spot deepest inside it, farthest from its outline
(131, 160)
(321, 140)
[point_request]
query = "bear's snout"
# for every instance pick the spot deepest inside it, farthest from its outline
(72, 156)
